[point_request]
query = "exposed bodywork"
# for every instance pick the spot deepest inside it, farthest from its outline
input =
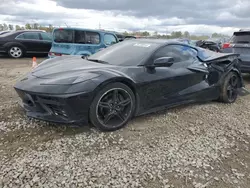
(63, 89)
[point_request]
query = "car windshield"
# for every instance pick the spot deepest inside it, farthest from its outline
(126, 53)
(240, 37)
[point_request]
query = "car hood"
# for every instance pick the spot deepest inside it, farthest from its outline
(66, 66)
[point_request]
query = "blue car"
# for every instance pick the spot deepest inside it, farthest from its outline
(77, 41)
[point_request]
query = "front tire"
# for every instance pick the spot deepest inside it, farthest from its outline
(15, 52)
(112, 107)
(229, 88)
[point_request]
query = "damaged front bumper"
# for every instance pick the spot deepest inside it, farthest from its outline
(66, 109)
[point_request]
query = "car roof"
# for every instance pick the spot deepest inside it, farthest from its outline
(243, 31)
(84, 29)
(30, 30)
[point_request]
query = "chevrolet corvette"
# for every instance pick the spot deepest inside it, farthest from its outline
(128, 79)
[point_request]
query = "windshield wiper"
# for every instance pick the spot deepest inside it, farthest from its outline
(98, 61)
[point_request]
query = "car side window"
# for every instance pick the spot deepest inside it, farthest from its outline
(80, 37)
(63, 36)
(46, 36)
(20, 36)
(109, 39)
(92, 37)
(178, 52)
(31, 36)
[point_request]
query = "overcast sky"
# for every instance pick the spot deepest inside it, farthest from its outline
(195, 16)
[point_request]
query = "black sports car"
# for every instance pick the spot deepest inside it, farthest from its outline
(128, 79)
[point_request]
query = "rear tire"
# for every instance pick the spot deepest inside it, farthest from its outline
(112, 107)
(229, 88)
(15, 52)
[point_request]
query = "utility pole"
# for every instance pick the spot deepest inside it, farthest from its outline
(99, 25)
(66, 24)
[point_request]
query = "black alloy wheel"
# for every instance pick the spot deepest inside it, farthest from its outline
(232, 88)
(112, 107)
(229, 92)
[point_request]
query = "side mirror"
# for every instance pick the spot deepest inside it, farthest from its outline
(163, 62)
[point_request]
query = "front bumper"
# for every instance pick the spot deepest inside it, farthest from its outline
(66, 109)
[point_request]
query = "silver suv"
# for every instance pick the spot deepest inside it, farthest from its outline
(240, 44)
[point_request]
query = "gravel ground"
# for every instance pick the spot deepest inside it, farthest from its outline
(201, 145)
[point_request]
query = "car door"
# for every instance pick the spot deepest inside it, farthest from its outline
(31, 41)
(46, 41)
(165, 86)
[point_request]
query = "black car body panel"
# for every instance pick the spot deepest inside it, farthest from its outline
(61, 89)
(39, 45)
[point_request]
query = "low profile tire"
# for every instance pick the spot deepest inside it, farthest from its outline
(112, 107)
(15, 52)
(229, 87)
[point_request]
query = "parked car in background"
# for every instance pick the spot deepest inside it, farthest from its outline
(129, 37)
(219, 41)
(240, 44)
(120, 36)
(77, 41)
(19, 43)
(208, 44)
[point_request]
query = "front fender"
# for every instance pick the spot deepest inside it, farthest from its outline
(104, 80)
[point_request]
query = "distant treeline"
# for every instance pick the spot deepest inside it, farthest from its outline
(5, 26)
(174, 34)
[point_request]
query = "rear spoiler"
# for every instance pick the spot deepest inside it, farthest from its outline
(220, 56)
